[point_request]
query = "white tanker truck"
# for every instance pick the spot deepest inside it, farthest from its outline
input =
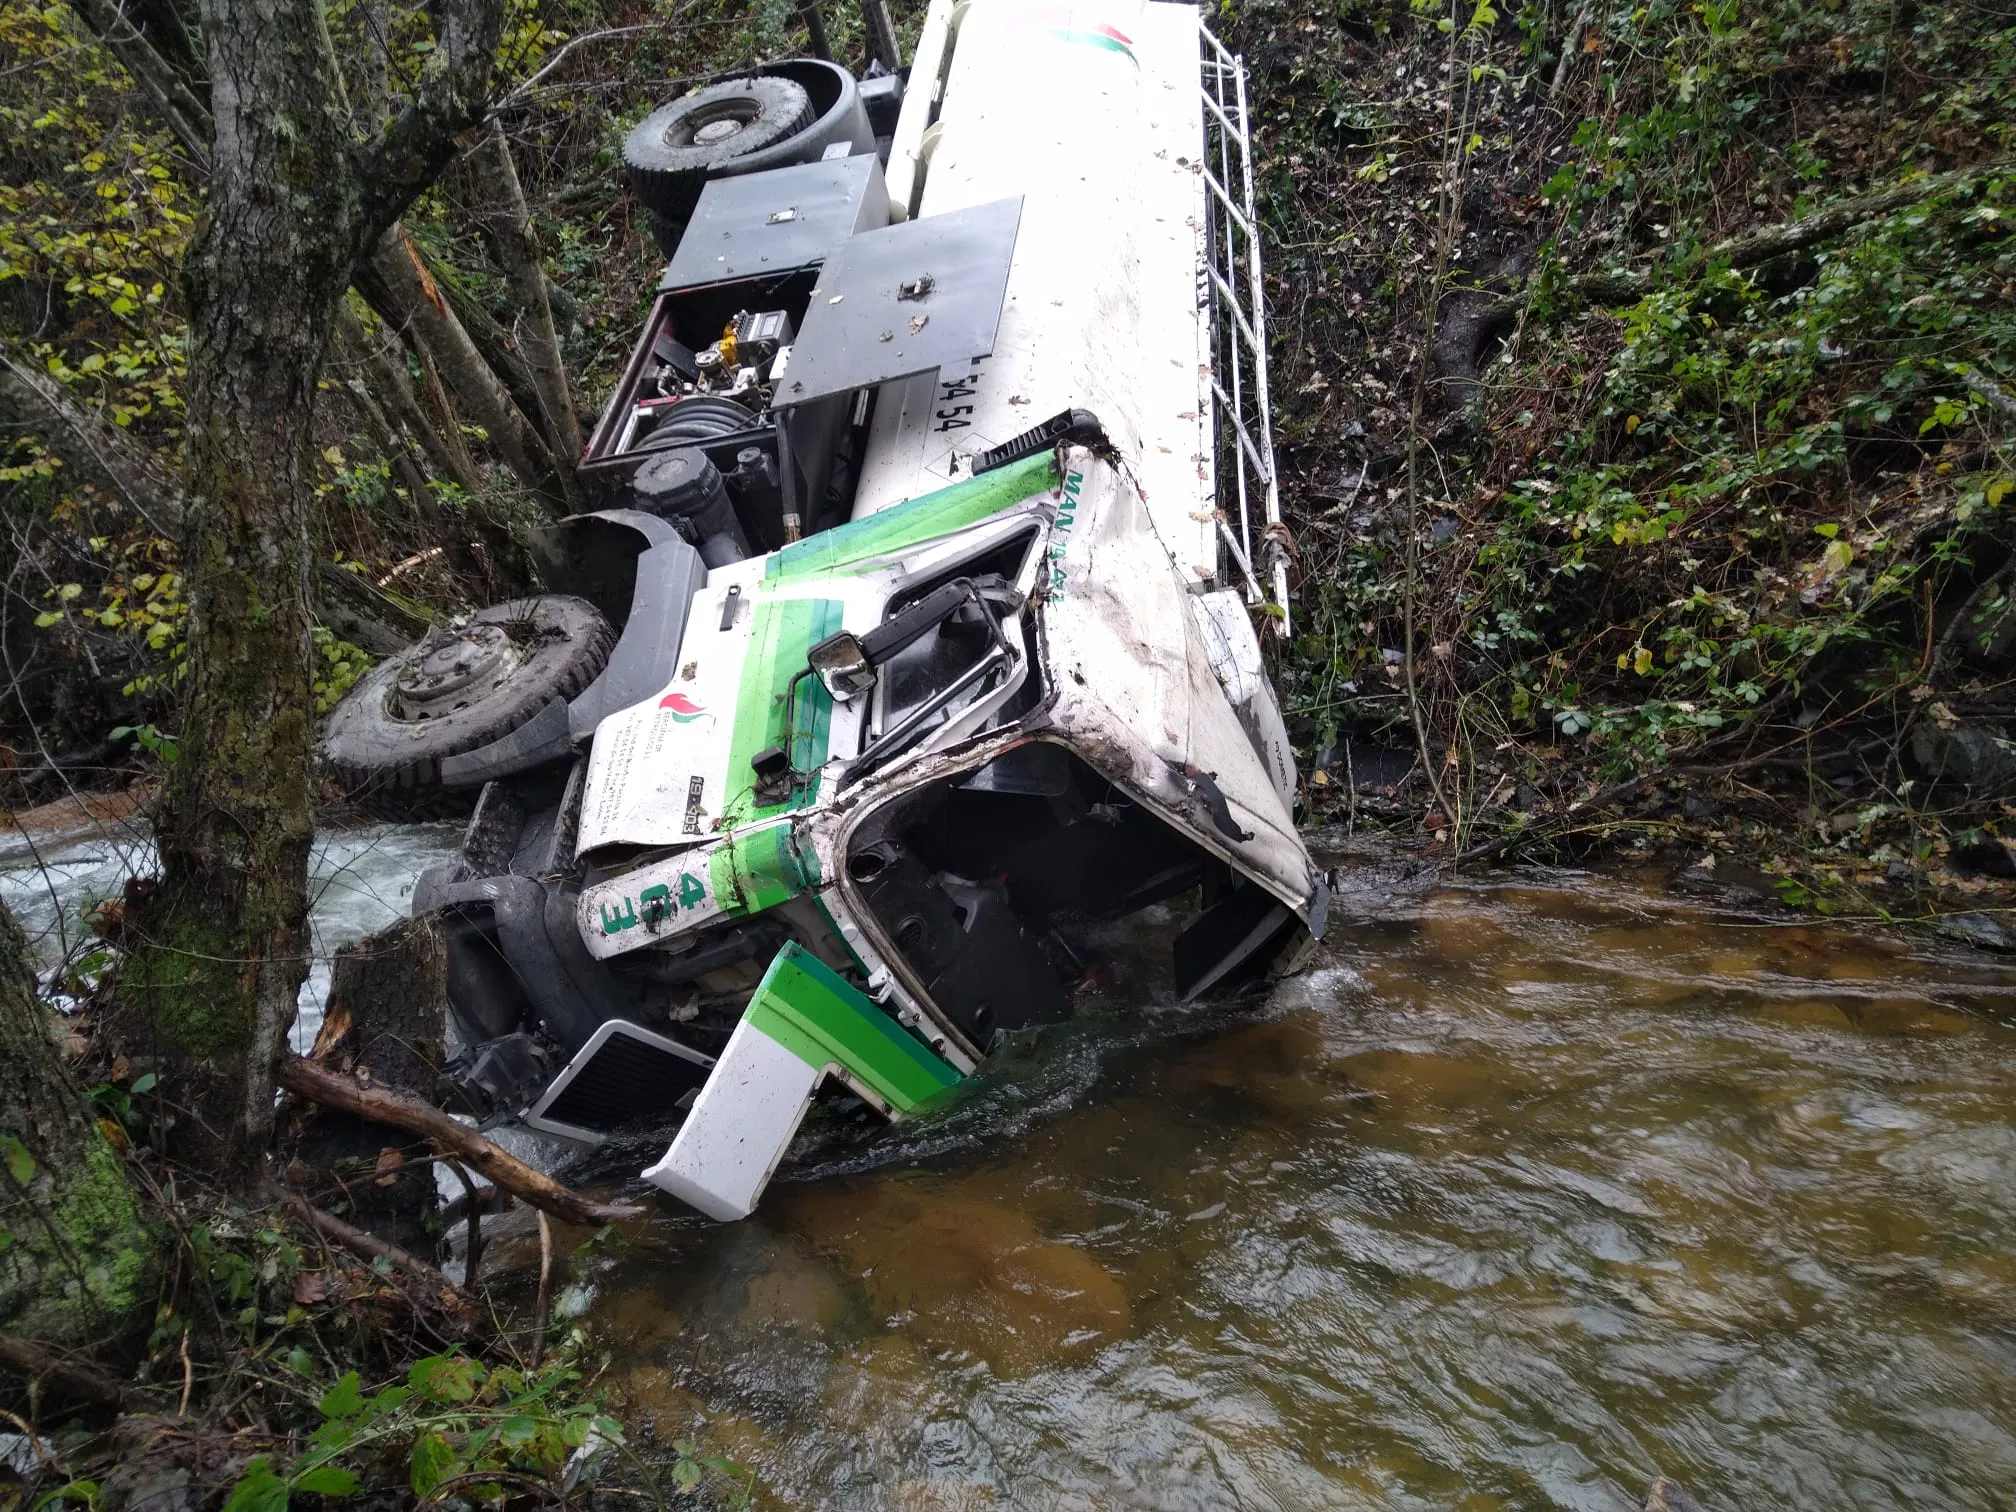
(918, 638)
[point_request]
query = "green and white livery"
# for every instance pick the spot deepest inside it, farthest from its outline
(912, 689)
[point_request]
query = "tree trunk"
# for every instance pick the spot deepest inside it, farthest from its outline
(170, 95)
(212, 988)
(509, 222)
(391, 444)
(387, 1019)
(78, 1260)
(443, 446)
(404, 294)
(294, 203)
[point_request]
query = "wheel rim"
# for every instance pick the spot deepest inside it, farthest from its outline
(719, 122)
(452, 671)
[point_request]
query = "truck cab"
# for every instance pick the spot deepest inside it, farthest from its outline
(920, 636)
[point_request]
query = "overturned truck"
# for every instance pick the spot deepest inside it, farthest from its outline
(918, 635)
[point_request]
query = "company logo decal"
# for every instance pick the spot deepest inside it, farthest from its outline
(1110, 38)
(684, 710)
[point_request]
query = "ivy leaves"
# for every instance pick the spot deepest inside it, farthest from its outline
(460, 1425)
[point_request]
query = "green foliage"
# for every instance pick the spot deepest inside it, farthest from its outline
(1746, 497)
(338, 665)
(481, 1434)
(20, 1164)
(94, 210)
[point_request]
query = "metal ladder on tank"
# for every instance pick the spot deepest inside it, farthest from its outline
(1238, 303)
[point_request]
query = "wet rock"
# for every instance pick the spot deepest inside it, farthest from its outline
(1815, 1011)
(1415, 1082)
(1986, 930)
(1719, 877)
(1669, 1496)
(795, 1293)
(151, 1488)
(1971, 756)
(1910, 1016)
(1984, 855)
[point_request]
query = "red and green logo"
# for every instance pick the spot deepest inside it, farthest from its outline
(1063, 24)
(684, 710)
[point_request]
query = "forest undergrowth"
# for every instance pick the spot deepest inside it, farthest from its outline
(284, 1359)
(1655, 367)
(1645, 384)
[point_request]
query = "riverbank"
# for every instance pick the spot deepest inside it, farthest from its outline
(1642, 400)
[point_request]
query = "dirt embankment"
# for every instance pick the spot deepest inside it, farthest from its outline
(1643, 382)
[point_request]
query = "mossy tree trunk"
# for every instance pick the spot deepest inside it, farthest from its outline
(295, 203)
(78, 1260)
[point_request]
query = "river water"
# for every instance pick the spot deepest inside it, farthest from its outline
(1523, 1194)
(359, 881)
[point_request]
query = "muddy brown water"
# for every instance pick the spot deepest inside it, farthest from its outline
(1521, 1195)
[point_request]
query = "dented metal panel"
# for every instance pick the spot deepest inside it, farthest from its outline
(1136, 694)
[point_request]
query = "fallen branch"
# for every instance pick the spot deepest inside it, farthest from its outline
(357, 1241)
(1570, 46)
(1990, 390)
(46, 1363)
(333, 1089)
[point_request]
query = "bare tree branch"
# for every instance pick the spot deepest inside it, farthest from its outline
(183, 114)
(501, 207)
(560, 55)
(411, 152)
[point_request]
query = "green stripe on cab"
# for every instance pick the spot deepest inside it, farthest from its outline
(806, 1007)
(923, 518)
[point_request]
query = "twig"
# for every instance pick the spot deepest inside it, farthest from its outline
(539, 1308)
(45, 1362)
(355, 1239)
(378, 1104)
(188, 1377)
(560, 56)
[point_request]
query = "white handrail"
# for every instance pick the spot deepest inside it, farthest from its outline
(1239, 344)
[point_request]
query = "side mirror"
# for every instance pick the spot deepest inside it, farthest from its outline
(842, 663)
(846, 662)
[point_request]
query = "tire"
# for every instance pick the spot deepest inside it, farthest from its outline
(455, 691)
(672, 152)
(665, 233)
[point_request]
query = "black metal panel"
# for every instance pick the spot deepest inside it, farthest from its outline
(772, 222)
(626, 1079)
(910, 298)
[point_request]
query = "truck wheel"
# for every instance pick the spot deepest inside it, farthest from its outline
(672, 152)
(457, 690)
(664, 232)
